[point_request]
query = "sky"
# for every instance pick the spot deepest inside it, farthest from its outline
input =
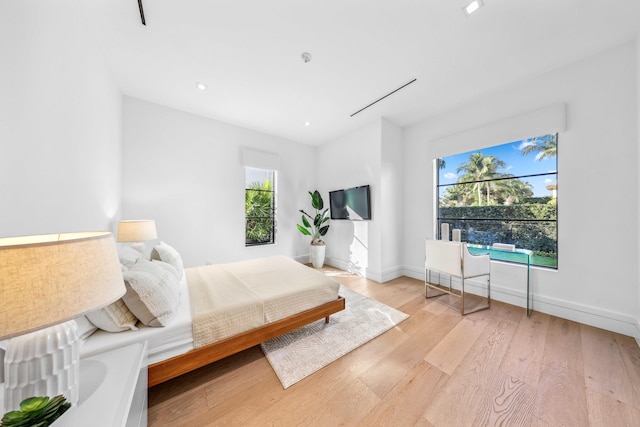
(516, 164)
(256, 175)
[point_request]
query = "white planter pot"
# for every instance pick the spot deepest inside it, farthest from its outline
(317, 255)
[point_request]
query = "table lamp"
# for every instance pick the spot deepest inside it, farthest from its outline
(136, 231)
(45, 282)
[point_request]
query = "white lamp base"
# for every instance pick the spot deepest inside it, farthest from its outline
(43, 363)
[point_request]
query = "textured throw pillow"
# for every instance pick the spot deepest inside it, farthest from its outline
(152, 293)
(115, 317)
(128, 256)
(165, 253)
(168, 267)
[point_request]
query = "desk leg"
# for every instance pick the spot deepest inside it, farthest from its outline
(529, 303)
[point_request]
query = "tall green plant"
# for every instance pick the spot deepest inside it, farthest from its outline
(319, 227)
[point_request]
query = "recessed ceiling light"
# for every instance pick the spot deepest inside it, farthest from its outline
(201, 86)
(472, 7)
(307, 123)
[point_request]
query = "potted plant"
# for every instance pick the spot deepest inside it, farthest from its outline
(317, 228)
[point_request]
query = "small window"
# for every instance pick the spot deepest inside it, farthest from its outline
(504, 194)
(260, 206)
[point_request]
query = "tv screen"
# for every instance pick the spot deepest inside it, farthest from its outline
(351, 203)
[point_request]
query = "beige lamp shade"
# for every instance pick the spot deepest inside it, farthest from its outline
(48, 279)
(137, 230)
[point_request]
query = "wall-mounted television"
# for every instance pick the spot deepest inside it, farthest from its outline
(351, 203)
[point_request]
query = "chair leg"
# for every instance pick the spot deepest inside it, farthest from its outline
(462, 296)
(476, 308)
(428, 284)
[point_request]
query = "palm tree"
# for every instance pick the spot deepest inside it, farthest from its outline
(258, 211)
(545, 146)
(513, 190)
(458, 195)
(478, 170)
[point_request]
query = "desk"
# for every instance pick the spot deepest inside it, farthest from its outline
(520, 256)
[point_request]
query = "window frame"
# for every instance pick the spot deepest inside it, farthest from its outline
(537, 261)
(272, 217)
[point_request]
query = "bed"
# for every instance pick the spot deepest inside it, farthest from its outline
(227, 308)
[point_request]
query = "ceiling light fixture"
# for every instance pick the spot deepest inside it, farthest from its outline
(472, 7)
(307, 123)
(201, 86)
(306, 57)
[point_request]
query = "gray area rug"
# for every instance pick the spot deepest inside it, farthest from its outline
(300, 353)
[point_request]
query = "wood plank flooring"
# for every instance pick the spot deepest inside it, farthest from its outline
(437, 368)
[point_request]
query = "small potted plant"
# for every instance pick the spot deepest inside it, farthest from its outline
(316, 228)
(37, 411)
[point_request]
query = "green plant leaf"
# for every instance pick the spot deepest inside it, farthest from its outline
(317, 220)
(316, 200)
(12, 416)
(304, 230)
(33, 404)
(305, 221)
(323, 230)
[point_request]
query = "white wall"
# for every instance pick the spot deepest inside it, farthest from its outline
(60, 118)
(391, 201)
(597, 279)
(638, 130)
(370, 155)
(185, 172)
(350, 161)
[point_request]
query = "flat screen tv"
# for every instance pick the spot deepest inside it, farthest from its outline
(351, 203)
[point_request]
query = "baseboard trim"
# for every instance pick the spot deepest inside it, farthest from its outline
(589, 315)
(376, 276)
(391, 273)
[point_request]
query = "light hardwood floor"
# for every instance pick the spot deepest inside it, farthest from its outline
(437, 368)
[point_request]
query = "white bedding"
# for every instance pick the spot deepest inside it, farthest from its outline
(162, 342)
(228, 299)
(247, 294)
(285, 286)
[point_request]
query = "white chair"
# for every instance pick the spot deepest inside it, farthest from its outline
(455, 260)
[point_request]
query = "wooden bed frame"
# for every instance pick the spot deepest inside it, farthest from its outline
(202, 356)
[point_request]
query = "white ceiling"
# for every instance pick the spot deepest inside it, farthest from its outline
(248, 53)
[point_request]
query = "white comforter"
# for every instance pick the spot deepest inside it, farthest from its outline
(228, 299)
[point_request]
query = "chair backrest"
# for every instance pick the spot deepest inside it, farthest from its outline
(445, 257)
(475, 265)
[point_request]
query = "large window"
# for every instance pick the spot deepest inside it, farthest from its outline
(504, 194)
(260, 206)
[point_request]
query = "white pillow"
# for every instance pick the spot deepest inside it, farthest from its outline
(115, 317)
(128, 256)
(85, 327)
(168, 267)
(166, 253)
(153, 293)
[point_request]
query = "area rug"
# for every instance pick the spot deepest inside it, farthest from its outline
(300, 353)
